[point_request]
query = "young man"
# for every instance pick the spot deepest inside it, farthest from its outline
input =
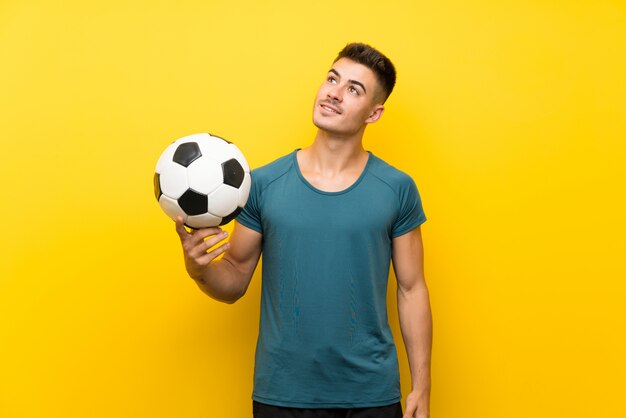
(329, 219)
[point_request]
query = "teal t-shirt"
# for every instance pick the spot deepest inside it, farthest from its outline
(324, 338)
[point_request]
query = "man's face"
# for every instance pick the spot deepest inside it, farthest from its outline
(349, 98)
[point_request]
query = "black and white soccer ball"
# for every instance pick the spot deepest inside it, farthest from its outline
(202, 178)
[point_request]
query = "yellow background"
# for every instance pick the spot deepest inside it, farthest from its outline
(510, 116)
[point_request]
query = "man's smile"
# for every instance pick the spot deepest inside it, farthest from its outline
(329, 108)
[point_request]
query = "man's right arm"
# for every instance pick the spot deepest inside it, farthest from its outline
(226, 279)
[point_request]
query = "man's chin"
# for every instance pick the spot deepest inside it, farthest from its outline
(323, 123)
(325, 127)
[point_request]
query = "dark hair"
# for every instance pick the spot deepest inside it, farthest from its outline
(375, 61)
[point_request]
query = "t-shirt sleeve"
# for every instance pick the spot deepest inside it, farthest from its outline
(411, 213)
(250, 216)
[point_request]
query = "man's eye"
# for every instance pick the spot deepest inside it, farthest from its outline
(353, 90)
(330, 79)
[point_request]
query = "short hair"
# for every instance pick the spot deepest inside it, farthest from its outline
(375, 61)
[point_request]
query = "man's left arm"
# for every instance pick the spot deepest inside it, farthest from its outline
(415, 318)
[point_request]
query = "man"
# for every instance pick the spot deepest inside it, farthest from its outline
(329, 219)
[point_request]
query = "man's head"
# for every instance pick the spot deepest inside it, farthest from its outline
(353, 93)
(380, 65)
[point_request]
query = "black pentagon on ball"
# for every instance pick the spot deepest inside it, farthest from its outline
(233, 173)
(230, 217)
(187, 153)
(193, 203)
(157, 186)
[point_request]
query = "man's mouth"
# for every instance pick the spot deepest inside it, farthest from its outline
(330, 109)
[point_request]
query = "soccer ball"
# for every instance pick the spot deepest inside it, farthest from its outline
(202, 178)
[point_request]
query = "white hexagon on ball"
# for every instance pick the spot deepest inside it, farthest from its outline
(205, 175)
(202, 221)
(173, 180)
(171, 208)
(223, 201)
(165, 158)
(215, 148)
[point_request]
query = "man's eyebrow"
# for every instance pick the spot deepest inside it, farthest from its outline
(358, 83)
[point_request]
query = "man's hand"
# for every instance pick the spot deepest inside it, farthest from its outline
(226, 279)
(196, 246)
(417, 406)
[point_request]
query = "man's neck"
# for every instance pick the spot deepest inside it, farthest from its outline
(330, 155)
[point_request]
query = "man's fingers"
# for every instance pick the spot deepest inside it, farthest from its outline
(195, 243)
(214, 240)
(208, 257)
(411, 409)
(196, 235)
(180, 227)
(204, 246)
(199, 235)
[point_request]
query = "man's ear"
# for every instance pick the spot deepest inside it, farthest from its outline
(376, 114)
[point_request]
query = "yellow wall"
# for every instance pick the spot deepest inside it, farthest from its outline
(510, 116)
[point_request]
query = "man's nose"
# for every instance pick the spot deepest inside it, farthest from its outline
(335, 93)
